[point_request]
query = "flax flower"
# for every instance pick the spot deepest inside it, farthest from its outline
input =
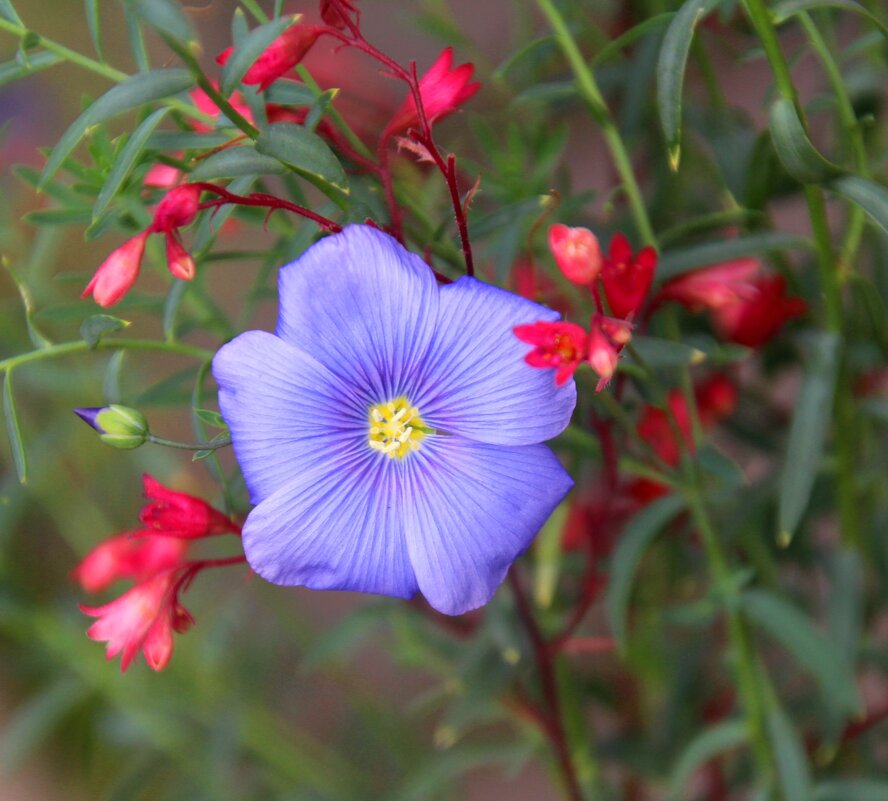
(389, 430)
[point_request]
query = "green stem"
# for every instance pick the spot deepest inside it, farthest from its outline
(97, 67)
(598, 108)
(68, 348)
(189, 446)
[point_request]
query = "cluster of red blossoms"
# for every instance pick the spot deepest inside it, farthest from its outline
(747, 306)
(442, 90)
(624, 279)
(154, 558)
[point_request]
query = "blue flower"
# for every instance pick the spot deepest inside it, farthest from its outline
(389, 430)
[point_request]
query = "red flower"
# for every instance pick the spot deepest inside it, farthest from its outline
(128, 556)
(118, 272)
(607, 335)
(442, 91)
(563, 346)
(141, 619)
(161, 176)
(576, 253)
(282, 55)
(333, 16)
(178, 208)
(177, 514)
(754, 320)
(715, 286)
(627, 278)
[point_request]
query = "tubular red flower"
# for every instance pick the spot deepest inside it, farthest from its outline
(282, 55)
(177, 514)
(117, 274)
(627, 277)
(563, 346)
(128, 555)
(442, 91)
(754, 320)
(576, 252)
(127, 622)
(716, 286)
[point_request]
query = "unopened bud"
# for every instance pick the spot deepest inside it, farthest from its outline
(118, 426)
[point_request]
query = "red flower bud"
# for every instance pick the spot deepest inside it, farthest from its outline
(282, 55)
(118, 272)
(607, 336)
(177, 209)
(715, 286)
(754, 320)
(177, 514)
(179, 260)
(576, 253)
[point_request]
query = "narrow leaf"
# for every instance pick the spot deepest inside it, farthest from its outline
(126, 161)
(783, 11)
(671, 66)
(307, 154)
(187, 140)
(167, 17)
(235, 162)
(794, 149)
(870, 196)
(131, 93)
(14, 70)
(10, 14)
(136, 39)
(111, 383)
(548, 551)
(624, 40)
(94, 328)
(815, 652)
(628, 554)
(807, 433)
(705, 746)
(793, 774)
(211, 418)
(92, 21)
(666, 352)
(246, 52)
(14, 430)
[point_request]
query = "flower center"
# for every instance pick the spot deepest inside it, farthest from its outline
(395, 428)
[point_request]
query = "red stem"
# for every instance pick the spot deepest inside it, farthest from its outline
(544, 660)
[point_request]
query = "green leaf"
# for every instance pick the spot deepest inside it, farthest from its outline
(633, 34)
(307, 154)
(10, 14)
(112, 381)
(94, 328)
(291, 93)
(131, 93)
(167, 17)
(794, 149)
(705, 746)
(14, 70)
(783, 11)
(211, 418)
(235, 162)
(665, 352)
(92, 21)
(815, 652)
(136, 39)
(37, 337)
(14, 430)
(675, 262)
(188, 140)
(793, 774)
(671, 66)
(627, 556)
(246, 52)
(548, 552)
(126, 161)
(870, 196)
(851, 790)
(807, 433)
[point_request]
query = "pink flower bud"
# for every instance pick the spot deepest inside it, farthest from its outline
(179, 260)
(715, 286)
(282, 55)
(118, 272)
(607, 336)
(576, 253)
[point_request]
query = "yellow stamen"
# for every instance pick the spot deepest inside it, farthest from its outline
(396, 428)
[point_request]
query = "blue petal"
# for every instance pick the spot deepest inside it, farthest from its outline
(476, 383)
(361, 305)
(337, 525)
(283, 409)
(470, 510)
